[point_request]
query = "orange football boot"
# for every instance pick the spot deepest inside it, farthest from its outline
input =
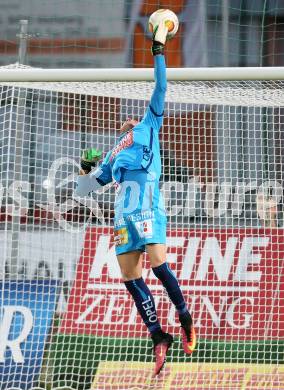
(188, 333)
(162, 342)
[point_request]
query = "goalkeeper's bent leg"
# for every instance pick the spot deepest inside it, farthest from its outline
(169, 281)
(144, 302)
(146, 307)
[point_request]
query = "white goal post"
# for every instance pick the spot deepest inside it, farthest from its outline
(222, 147)
(140, 74)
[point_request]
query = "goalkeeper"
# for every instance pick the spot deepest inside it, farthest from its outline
(140, 219)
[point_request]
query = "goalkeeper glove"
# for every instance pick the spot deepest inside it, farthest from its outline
(159, 39)
(90, 158)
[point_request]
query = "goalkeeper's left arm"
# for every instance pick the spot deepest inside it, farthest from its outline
(91, 180)
(154, 114)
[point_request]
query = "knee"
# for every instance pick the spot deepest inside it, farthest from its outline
(129, 274)
(157, 254)
(156, 261)
(130, 265)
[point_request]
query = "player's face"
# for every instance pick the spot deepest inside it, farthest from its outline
(128, 125)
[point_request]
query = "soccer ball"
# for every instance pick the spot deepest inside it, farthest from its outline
(170, 19)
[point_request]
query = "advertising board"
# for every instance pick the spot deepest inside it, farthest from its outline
(186, 376)
(230, 279)
(27, 309)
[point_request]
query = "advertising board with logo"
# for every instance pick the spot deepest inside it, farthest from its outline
(130, 375)
(230, 279)
(27, 309)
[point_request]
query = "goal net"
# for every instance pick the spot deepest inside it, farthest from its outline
(66, 319)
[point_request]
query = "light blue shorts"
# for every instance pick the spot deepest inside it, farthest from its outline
(140, 217)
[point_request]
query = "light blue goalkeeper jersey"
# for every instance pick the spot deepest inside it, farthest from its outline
(139, 148)
(135, 164)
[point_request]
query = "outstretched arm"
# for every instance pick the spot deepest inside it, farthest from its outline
(155, 111)
(158, 97)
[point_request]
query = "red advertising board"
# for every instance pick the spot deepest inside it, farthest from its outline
(231, 280)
